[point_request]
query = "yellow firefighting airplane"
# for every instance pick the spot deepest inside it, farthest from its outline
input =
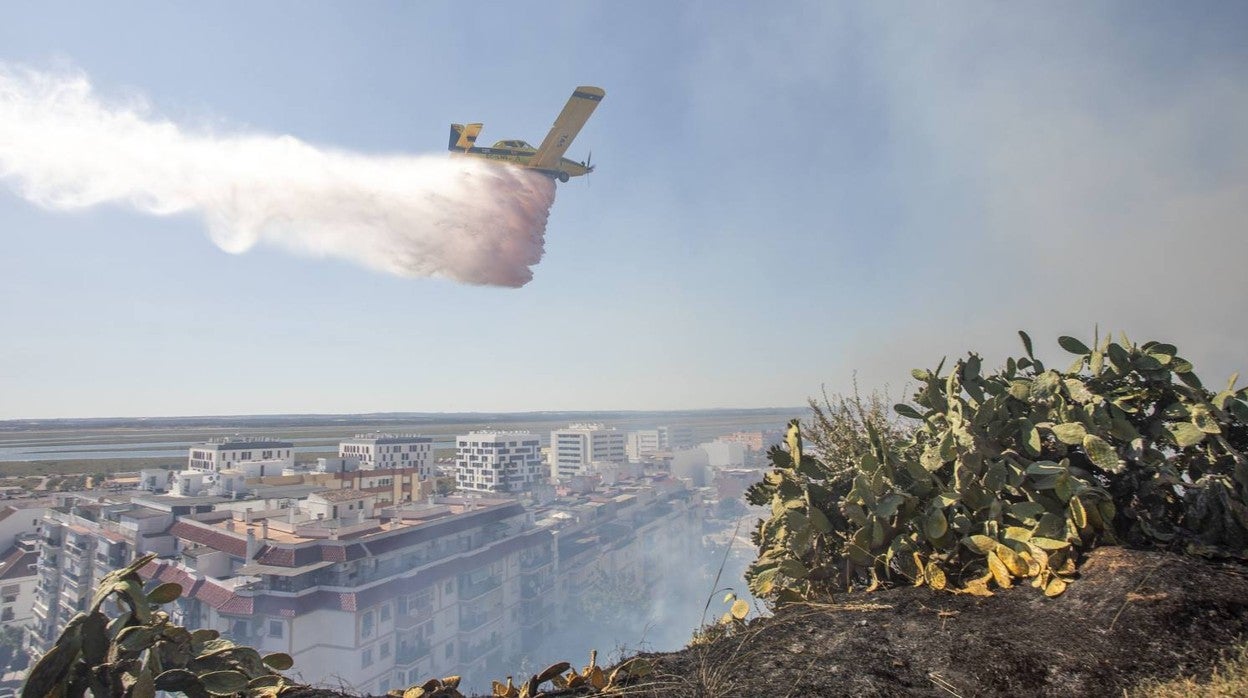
(548, 157)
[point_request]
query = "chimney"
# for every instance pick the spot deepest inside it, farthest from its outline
(229, 524)
(264, 529)
(253, 546)
(247, 516)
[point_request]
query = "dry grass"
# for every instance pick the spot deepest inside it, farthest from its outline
(1229, 680)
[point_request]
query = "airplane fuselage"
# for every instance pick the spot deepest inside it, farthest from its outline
(522, 157)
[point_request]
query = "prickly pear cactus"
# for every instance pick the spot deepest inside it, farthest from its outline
(1010, 476)
(139, 651)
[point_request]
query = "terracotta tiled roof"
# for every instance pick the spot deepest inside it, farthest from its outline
(17, 563)
(211, 537)
(204, 590)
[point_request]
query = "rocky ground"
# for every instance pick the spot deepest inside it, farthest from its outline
(1132, 616)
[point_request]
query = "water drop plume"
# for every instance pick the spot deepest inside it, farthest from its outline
(64, 147)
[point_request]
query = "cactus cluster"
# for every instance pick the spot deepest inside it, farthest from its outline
(140, 652)
(1009, 476)
(591, 680)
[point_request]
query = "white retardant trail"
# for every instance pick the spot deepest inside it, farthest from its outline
(62, 147)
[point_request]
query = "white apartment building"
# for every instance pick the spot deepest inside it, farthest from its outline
(17, 582)
(675, 437)
(456, 586)
(498, 461)
(641, 444)
(390, 451)
(375, 596)
(81, 542)
(255, 457)
(19, 552)
(724, 454)
(574, 449)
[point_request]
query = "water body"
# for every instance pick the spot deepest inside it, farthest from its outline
(101, 451)
(107, 438)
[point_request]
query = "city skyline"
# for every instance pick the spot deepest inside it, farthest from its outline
(782, 200)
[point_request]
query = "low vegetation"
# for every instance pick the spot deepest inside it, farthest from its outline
(139, 651)
(997, 478)
(1228, 680)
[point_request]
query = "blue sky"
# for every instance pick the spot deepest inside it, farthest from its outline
(784, 197)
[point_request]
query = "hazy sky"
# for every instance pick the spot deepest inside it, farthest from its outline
(783, 197)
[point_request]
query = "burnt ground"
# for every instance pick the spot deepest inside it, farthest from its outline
(1132, 615)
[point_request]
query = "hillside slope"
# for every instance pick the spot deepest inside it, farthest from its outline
(1132, 615)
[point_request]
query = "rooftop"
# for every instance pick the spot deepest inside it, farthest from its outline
(233, 443)
(341, 495)
(380, 438)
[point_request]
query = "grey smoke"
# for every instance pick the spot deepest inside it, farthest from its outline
(64, 147)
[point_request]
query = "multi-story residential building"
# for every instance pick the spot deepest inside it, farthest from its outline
(254, 457)
(574, 449)
(643, 443)
(376, 602)
(647, 443)
(18, 580)
(631, 534)
(82, 541)
(675, 436)
(390, 451)
(391, 486)
(359, 590)
(498, 461)
(724, 454)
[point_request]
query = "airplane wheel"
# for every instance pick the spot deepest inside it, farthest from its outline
(563, 176)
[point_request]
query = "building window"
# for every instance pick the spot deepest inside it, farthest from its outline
(366, 658)
(385, 612)
(276, 628)
(366, 625)
(385, 650)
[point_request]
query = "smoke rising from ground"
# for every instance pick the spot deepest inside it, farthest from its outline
(62, 147)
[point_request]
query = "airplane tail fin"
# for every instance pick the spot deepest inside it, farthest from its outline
(463, 137)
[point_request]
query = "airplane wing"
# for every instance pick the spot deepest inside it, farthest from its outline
(574, 115)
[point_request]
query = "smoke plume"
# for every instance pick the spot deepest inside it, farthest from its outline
(63, 147)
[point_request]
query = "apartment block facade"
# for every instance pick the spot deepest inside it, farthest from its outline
(359, 586)
(574, 449)
(498, 461)
(253, 457)
(375, 451)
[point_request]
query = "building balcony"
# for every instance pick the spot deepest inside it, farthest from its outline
(415, 616)
(409, 653)
(471, 620)
(532, 563)
(532, 613)
(536, 587)
(469, 591)
(471, 653)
